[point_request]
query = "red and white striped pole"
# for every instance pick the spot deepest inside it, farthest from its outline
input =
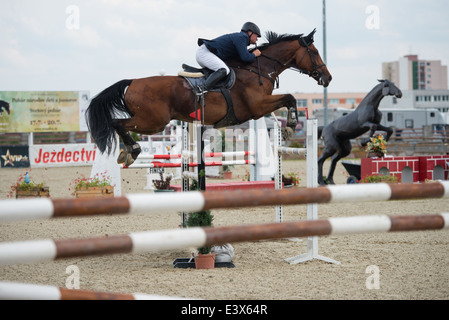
(163, 240)
(191, 164)
(150, 203)
(24, 291)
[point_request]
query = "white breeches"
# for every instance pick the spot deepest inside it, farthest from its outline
(207, 59)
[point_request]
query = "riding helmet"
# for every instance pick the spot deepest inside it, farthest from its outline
(249, 26)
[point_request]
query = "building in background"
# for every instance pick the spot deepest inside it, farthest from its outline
(411, 73)
(424, 84)
(312, 101)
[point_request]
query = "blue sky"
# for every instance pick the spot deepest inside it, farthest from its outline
(57, 45)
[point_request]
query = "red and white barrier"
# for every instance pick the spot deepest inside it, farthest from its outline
(24, 291)
(408, 169)
(191, 164)
(188, 154)
(163, 240)
(151, 203)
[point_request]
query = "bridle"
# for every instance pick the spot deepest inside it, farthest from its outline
(315, 73)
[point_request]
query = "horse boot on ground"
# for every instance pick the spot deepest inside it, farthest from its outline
(213, 79)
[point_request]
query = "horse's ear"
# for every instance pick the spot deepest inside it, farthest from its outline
(385, 89)
(307, 40)
(312, 33)
(310, 36)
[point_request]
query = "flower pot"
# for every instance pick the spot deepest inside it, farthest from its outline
(227, 175)
(205, 261)
(92, 192)
(375, 155)
(36, 192)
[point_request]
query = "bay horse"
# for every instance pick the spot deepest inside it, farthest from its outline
(366, 116)
(152, 102)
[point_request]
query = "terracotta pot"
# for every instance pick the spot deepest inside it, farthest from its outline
(227, 175)
(205, 261)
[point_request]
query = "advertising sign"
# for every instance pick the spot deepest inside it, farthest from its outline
(42, 111)
(14, 157)
(58, 155)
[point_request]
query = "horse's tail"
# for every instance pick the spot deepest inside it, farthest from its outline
(101, 113)
(320, 130)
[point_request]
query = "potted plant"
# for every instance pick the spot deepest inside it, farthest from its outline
(379, 178)
(97, 186)
(376, 147)
(26, 188)
(226, 171)
(292, 179)
(204, 258)
(162, 184)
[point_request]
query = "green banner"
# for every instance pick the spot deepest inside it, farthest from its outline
(40, 111)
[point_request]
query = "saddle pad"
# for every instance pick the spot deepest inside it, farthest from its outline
(190, 74)
(226, 83)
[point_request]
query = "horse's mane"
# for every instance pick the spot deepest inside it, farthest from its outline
(273, 38)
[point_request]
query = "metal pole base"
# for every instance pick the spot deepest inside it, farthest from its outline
(312, 253)
(308, 257)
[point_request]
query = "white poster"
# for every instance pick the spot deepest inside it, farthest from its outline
(59, 155)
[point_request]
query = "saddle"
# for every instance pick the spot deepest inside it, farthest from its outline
(196, 78)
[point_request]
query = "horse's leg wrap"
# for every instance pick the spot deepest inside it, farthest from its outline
(135, 150)
(292, 118)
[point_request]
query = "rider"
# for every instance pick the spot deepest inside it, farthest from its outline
(211, 53)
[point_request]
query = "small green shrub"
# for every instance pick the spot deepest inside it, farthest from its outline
(376, 179)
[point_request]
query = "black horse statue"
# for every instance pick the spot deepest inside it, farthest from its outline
(366, 116)
(4, 105)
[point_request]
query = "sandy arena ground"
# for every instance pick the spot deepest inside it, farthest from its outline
(412, 265)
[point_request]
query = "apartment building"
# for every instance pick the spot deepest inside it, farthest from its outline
(312, 101)
(411, 73)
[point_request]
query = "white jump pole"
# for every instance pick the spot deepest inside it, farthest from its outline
(278, 158)
(105, 164)
(312, 182)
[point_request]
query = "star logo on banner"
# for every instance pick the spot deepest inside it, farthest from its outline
(8, 158)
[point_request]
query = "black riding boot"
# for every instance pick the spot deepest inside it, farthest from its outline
(214, 78)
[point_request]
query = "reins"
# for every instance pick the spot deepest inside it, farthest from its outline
(275, 82)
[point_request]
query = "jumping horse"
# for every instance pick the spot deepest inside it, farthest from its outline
(152, 102)
(366, 116)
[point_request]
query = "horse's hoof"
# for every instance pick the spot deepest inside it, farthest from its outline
(121, 157)
(129, 160)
